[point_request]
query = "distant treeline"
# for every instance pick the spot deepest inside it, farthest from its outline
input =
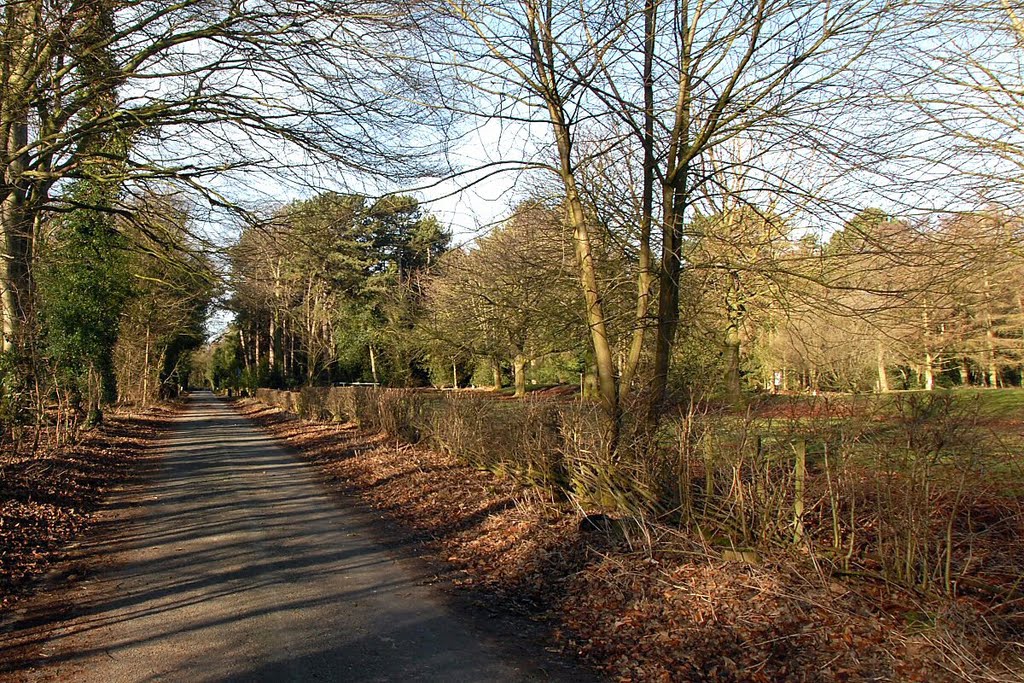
(339, 289)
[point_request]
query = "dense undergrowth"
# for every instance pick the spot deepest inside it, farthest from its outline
(915, 496)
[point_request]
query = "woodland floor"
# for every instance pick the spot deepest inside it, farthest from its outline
(50, 498)
(658, 606)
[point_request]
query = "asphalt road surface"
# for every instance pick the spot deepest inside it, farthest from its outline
(236, 566)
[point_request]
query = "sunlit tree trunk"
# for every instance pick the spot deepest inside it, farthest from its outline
(732, 365)
(929, 360)
(242, 337)
(292, 370)
(668, 304)
(883, 377)
(272, 337)
(519, 370)
(990, 354)
(20, 52)
(990, 338)
(645, 265)
(256, 345)
(373, 364)
(496, 374)
(595, 316)
(145, 369)
(17, 225)
(734, 313)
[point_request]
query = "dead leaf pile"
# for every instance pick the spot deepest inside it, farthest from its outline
(48, 498)
(656, 607)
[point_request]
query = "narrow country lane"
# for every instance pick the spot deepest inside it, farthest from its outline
(238, 567)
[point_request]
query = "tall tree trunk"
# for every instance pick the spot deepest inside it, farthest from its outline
(17, 225)
(283, 349)
(272, 344)
(674, 189)
(883, 377)
(927, 370)
(993, 370)
(519, 370)
(292, 370)
(287, 358)
(645, 277)
(145, 369)
(600, 343)
(373, 364)
(20, 48)
(275, 354)
(668, 295)
(242, 336)
(732, 366)
(496, 374)
(734, 313)
(990, 339)
(543, 55)
(256, 345)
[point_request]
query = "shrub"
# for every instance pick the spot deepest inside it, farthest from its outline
(892, 488)
(521, 438)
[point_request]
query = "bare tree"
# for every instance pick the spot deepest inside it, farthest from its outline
(205, 91)
(662, 85)
(511, 298)
(959, 83)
